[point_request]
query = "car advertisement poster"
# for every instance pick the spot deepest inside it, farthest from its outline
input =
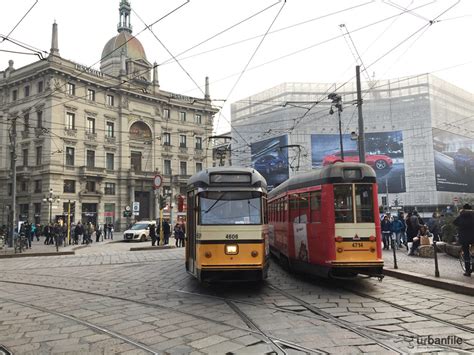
(270, 158)
(454, 161)
(384, 152)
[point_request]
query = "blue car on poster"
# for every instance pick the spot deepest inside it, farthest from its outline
(269, 164)
(464, 161)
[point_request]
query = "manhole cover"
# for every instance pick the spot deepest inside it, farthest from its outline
(4, 351)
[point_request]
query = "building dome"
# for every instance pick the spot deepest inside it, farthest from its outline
(126, 43)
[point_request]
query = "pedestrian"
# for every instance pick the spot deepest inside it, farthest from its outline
(28, 233)
(423, 237)
(397, 230)
(465, 224)
(177, 234)
(152, 229)
(111, 231)
(78, 233)
(166, 231)
(434, 224)
(386, 227)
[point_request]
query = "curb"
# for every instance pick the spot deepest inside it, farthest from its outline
(26, 255)
(455, 286)
(160, 247)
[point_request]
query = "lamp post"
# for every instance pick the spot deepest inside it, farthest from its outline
(337, 103)
(51, 199)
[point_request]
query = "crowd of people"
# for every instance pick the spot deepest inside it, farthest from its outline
(411, 231)
(179, 231)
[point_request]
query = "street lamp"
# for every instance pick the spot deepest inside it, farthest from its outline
(51, 199)
(337, 103)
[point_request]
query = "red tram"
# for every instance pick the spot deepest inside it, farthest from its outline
(325, 222)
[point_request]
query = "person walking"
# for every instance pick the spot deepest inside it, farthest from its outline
(397, 230)
(386, 227)
(177, 234)
(434, 224)
(166, 231)
(152, 229)
(78, 233)
(465, 224)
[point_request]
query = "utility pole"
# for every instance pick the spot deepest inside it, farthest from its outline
(13, 143)
(361, 136)
(337, 103)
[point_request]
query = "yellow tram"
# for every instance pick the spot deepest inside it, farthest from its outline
(227, 232)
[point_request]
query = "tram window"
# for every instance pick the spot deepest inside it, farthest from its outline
(364, 203)
(294, 210)
(303, 207)
(230, 207)
(316, 206)
(343, 204)
(265, 210)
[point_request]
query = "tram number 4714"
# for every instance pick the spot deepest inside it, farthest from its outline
(231, 236)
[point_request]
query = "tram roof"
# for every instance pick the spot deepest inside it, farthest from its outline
(203, 177)
(333, 173)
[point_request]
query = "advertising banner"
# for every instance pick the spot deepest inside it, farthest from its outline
(270, 158)
(454, 161)
(384, 153)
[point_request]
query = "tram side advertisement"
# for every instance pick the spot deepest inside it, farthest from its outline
(454, 161)
(384, 152)
(270, 158)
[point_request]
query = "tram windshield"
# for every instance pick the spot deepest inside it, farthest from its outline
(344, 197)
(230, 207)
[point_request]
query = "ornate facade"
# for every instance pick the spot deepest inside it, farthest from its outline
(96, 139)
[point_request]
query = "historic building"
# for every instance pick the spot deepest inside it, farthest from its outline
(91, 141)
(419, 136)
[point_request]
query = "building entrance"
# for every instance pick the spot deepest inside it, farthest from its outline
(89, 213)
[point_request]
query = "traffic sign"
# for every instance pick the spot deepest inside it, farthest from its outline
(127, 213)
(455, 199)
(157, 181)
(127, 208)
(136, 206)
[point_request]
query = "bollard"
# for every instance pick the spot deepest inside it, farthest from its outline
(395, 266)
(435, 254)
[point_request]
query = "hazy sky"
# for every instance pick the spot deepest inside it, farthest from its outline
(225, 40)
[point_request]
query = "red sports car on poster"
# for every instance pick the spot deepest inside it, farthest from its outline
(377, 161)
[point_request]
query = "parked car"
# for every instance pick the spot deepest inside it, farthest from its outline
(270, 163)
(138, 232)
(464, 160)
(377, 161)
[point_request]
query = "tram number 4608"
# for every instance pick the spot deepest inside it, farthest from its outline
(231, 236)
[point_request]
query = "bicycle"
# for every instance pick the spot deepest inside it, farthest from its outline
(461, 258)
(20, 243)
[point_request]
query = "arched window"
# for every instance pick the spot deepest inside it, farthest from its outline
(139, 130)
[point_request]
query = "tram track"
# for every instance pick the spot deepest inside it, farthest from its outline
(89, 325)
(276, 343)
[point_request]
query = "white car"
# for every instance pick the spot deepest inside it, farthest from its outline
(139, 231)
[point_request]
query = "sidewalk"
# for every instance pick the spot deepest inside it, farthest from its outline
(422, 270)
(38, 248)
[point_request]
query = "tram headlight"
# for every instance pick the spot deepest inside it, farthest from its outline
(231, 249)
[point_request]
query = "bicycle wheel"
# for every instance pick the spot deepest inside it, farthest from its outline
(461, 260)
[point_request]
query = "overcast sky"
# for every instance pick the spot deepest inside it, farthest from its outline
(225, 40)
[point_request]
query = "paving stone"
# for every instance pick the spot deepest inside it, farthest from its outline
(208, 341)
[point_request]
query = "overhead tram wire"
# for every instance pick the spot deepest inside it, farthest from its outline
(317, 44)
(220, 32)
(248, 63)
(168, 61)
(18, 23)
(430, 23)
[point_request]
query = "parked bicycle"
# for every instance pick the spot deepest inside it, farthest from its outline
(20, 243)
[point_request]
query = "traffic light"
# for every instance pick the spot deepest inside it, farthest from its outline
(162, 202)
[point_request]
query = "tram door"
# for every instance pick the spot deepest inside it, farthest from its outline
(191, 232)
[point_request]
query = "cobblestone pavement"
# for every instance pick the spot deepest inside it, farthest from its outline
(448, 266)
(105, 299)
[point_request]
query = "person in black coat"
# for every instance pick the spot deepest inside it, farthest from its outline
(465, 224)
(386, 227)
(166, 231)
(152, 230)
